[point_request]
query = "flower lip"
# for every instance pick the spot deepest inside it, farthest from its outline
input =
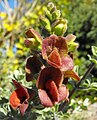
(65, 63)
(51, 90)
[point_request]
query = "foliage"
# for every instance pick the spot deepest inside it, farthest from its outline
(82, 22)
(81, 18)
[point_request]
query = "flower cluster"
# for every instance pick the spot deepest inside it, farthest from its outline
(54, 66)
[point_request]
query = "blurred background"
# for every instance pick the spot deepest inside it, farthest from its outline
(16, 16)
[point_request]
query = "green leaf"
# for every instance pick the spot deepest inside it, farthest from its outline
(92, 59)
(94, 50)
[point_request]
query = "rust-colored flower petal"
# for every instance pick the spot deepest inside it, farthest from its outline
(54, 58)
(20, 97)
(44, 98)
(63, 93)
(49, 73)
(33, 66)
(67, 63)
(52, 91)
(71, 74)
(17, 98)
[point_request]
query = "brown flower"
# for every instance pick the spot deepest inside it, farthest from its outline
(33, 66)
(50, 87)
(55, 51)
(20, 97)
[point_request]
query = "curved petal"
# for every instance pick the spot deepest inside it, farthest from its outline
(17, 98)
(70, 38)
(23, 107)
(61, 45)
(63, 93)
(54, 59)
(52, 42)
(49, 73)
(14, 100)
(48, 45)
(44, 98)
(71, 74)
(67, 63)
(52, 91)
(21, 87)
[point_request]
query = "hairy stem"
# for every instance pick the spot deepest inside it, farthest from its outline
(92, 65)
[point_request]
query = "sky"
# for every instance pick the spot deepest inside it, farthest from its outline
(11, 3)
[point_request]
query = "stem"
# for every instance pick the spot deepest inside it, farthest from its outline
(92, 65)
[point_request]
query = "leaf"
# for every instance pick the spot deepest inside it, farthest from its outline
(94, 84)
(94, 50)
(2, 116)
(92, 59)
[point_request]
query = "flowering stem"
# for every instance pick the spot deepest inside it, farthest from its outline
(63, 106)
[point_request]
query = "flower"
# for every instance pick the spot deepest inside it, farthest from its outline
(55, 51)
(20, 97)
(50, 87)
(33, 40)
(33, 66)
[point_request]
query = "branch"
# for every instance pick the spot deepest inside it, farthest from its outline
(62, 106)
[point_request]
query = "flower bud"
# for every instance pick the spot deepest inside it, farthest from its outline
(59, 27)
(32, 43)
(48, 14)
(34, 39)
(56, 14)
(31, 33)
(73, 46)
(45, 23)
(51, 7)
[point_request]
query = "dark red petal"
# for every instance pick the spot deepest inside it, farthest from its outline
(44, 98)
(54, 58)
(33, 66)
(63, 93)
(52, 91)
(67, 63)
(23, 107)
(49, 73)
(71, 74)
(21, 88)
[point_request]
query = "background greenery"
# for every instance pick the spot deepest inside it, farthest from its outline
(82, 21)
